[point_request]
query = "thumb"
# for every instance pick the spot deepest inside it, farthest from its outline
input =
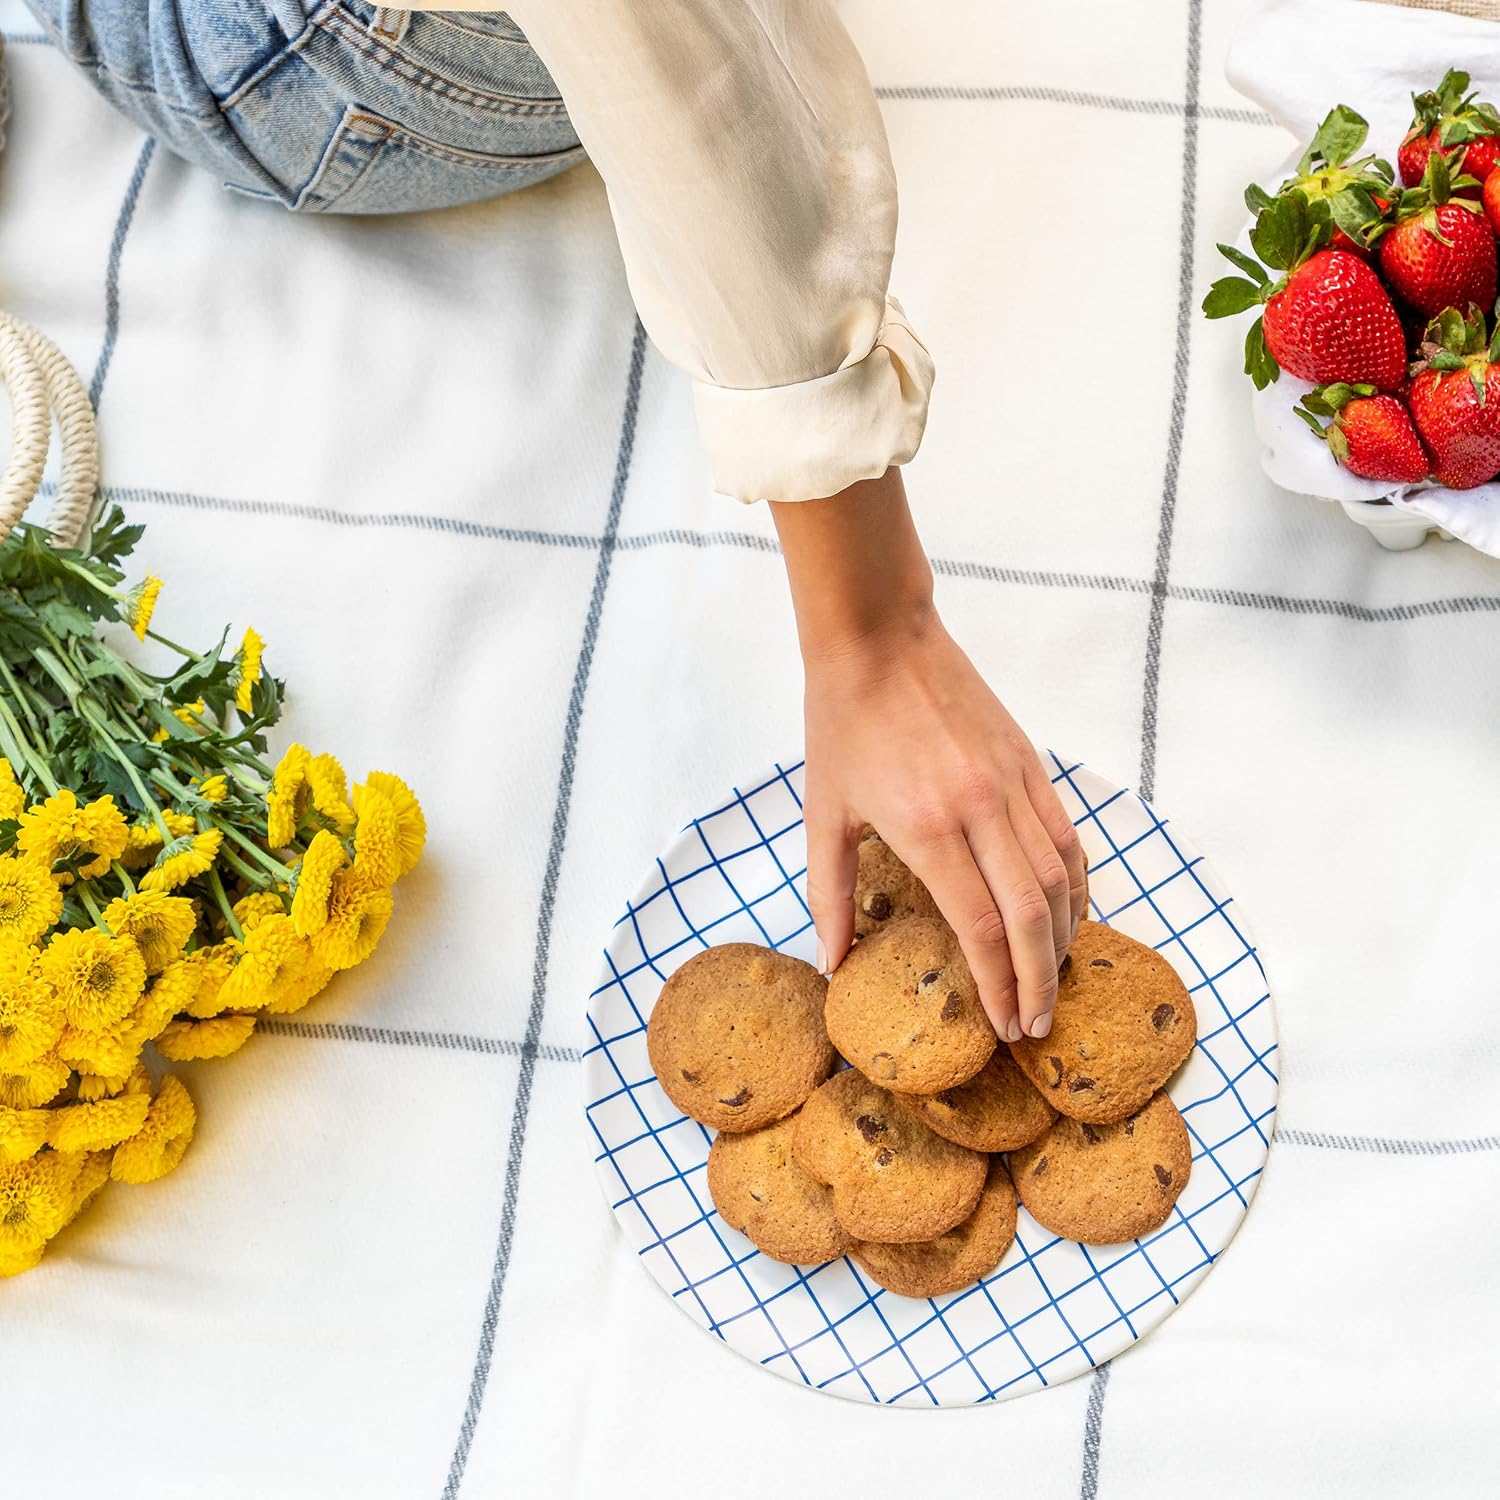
(832, 864)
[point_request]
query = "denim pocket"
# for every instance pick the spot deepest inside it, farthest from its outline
(373, 165)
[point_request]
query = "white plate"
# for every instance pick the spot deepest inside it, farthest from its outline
(1053, 1309)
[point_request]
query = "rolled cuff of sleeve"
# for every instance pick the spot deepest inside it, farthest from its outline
(812, 439)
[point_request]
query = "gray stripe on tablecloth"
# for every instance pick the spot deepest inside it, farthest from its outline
(560, 813)
(112, 271)
(27, 39)
(1389, 1145)
(403, 1036)
(1168, 514)
(1093, 1428)
(1041, 93)
(947, 567)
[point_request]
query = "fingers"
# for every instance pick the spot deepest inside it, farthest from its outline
(832, 864)
(1063, 837)
(1050, 872)
(1027, 913)
(946, 866)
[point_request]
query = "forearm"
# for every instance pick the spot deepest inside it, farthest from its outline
(856, 567)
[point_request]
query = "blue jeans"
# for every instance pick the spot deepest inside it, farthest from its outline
(327, 106)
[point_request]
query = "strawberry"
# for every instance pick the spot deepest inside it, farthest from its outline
(1491, 200)
(1370, 435)
(1455, 399)
(1326, 318)
(1445, 119)
(1438, 251)
(1358, 192)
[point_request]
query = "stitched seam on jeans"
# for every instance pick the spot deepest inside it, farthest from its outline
(316, 197)
(397, 133)
(343, 29)
(271, 64)
(171, 105)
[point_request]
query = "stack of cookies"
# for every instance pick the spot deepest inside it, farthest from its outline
(911, 1160)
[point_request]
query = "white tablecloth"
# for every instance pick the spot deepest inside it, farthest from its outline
(432, 461)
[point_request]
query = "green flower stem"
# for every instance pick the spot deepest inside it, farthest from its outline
(23, 701)
(91, 906)
(112, 748)
(123, 876)
(19, 748)
(223, 899)
(246, 873)
(273, 866)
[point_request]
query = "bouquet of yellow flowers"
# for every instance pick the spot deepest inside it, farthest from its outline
(161, 885)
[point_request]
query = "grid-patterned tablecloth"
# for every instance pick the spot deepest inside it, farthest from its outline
(433, 460)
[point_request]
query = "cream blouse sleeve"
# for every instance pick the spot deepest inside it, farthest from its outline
(755, 203)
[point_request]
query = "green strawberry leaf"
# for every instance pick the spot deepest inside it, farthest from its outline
(1479, 379)
(1457, 132)
(1309, 418)
(1257, 198)
(1451, 90)
(1354, 211)
(1252, 268)
(1340, 135)
(1260, 363)
(1382, 168)
(1279, 230)
(1230, 296)
(1495, 344)
(1338, 443)
(1443, 360)
(1313, 402)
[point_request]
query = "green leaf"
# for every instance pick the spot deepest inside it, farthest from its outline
(1279, 230)
(1256, 198)
(1260, 363)
(1382, 168)
(1231, 295)
(1310, 419)
(1495, 344)
(1338, 443)
(1451, 332)
(1252, 268)
(64, 619)
(1354, 211)
(1338, 138)
(1452, 89)
(1456, 133)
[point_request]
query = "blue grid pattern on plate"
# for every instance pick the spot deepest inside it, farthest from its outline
(1053, 1309)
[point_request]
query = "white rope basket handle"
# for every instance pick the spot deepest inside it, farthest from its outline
(45, 388)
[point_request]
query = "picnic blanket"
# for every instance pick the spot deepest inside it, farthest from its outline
(434, 461)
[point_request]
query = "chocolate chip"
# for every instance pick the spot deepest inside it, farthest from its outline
(883, 1066)
(1091, 1135)
(869, 1127)
(929, 979)
(1080, 1085)
(869, 834)
(1055, 1063)
(689, 1077)
(756, 1196)
(735, 1100)
(951, 1007)
(878, 905)
(1040, 1167)
(1100, 963)
(1162, 1017)
(1083, 1049)
(1162, 1175)
(884, 1157)
(948, 1098)
(1130, 1126)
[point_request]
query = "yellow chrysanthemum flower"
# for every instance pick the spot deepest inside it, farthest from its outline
(92, 1176)
(212, 967)
(286, 802)
(98, 978)
(180, 825)
(377, 838)
(61, 829)
(37, 1083)
(160, 925)
(357, 916)
(250, 911)
(12, 798)
(182, 859)
(174, 990)
(112, 1051)
(325, 857)
(140, 605)
(214, 788)
(330, 791)
(410, 822)
(247, 669)
(93, 1086)
(36, 1199)
(23, 1132)
(142, 840)
(97, 1127)
(30, 899)
(188, 1041)
(272, 955)
(157, 1147)
(298, 984)
(31, 1016)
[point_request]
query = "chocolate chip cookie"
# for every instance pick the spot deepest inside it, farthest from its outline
(962, 1256)
(996, 1110)
(1102, 1184)
(761, 1191)
(894, 1180)
(1124, 1022)
(737, 1037)
(904, 1009)
(885, 890)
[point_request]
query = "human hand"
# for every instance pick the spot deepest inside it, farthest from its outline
(904, 733)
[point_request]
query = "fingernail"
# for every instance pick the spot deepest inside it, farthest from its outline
(1013, 1030)
(1042, 1025)
(822, 957)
